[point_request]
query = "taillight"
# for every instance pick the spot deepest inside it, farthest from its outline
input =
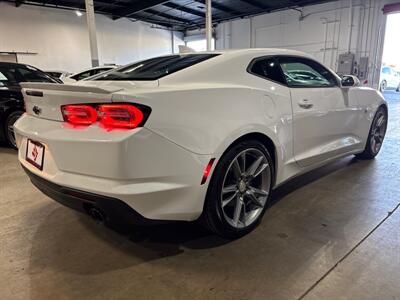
(79, 114)
(110, 116)
(120, 116)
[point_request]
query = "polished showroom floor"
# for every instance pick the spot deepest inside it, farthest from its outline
(331, 234)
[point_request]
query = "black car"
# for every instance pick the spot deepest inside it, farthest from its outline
(11, 99)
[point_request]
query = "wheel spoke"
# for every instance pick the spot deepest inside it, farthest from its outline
(254, 199)
(379, 122)
(243, 157)
(253, 168)
(261, 169)
(238, 210)
(257, 191)
(236, 169)
(229, 200)
(373, 145)
(229, 189)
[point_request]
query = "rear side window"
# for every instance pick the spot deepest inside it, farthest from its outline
(267, 68)
(155, 68)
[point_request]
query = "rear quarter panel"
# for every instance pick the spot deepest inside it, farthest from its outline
(208, 118)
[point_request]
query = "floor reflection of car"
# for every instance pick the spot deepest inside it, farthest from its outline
(87, 73)
(11, 99)
(390, 79)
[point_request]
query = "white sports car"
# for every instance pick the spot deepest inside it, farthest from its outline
(195, 136)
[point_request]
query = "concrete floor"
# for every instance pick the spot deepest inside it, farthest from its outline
(332, 234)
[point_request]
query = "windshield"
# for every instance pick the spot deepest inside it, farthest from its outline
(155, 68)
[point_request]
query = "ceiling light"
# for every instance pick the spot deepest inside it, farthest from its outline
(78, 13)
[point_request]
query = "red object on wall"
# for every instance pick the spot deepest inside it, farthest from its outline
(391, 8)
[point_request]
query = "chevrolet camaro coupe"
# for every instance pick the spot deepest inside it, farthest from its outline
(194, 136)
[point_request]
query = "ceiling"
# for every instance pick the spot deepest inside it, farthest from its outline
(176, 14)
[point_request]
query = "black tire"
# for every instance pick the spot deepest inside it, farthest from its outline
(8, 131)
(213, 216)
(383, 86)
(398, 88)
(370, 151)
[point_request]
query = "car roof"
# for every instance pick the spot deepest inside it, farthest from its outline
(12, 64)
(250, 52)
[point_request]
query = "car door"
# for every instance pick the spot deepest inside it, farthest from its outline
(324, 116)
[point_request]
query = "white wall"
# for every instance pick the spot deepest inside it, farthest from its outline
(62, 42)
(323, 32)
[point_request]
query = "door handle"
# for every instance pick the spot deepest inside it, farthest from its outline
(305, 103)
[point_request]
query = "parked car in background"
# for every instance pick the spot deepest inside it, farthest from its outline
(390, 79)
(200, 135)
(58, 74)
(11, 99)
(87, 73)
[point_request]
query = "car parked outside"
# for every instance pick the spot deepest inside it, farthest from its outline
(390, 79)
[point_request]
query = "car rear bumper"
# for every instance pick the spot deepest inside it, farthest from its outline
(153, 176)
(114, 210)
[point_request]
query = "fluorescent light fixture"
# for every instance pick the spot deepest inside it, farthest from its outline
(79, 13)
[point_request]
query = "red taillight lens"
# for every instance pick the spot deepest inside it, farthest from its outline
(120, 116)
(110, 116)
(79, 114)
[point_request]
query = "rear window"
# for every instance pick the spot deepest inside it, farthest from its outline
(14, 74)
(155, 68)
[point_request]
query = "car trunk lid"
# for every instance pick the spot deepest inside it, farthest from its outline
(44, 100)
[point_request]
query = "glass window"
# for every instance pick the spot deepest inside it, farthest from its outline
(98, 71)
(386, 70)
(268, 68)
(8, 76)
(300, 72)
(155, 68)
(82, 75)
(30, 74)
(14, 74)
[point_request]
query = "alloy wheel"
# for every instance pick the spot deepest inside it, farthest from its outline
(378, 132)
(245, 188)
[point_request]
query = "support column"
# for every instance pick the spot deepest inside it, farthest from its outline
(208, 24)
(94, 53)
(350, 26)
(172, 42)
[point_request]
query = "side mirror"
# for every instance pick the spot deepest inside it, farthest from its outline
(350, 81)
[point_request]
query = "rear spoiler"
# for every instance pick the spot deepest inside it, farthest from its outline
(37, 88)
